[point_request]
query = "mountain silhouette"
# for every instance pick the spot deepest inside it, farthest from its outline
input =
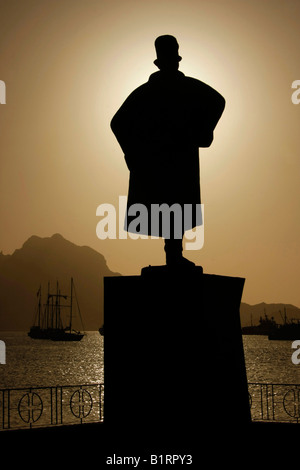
(51, 259)
(252, 313)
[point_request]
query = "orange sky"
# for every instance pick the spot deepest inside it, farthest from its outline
(69, 64)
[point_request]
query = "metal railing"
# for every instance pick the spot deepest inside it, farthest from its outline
(274, 402)
(32, 407)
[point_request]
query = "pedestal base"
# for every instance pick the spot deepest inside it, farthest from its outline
(174, 361)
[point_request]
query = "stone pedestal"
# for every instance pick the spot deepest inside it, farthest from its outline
(174, 360)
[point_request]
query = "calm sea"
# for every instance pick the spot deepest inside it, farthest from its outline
(59, 365)
(270, 361)
(39, 363)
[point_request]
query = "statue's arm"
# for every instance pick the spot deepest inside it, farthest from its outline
(208, 107)
(124, 127)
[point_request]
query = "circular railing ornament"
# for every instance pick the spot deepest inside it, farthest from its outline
(81, 403)
(250, 399)
(291, 403)
(30, 407)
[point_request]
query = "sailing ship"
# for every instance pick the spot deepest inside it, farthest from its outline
(48, 324)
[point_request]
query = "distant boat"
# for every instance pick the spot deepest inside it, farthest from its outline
(49, 324)
(289, 330)
(101, 330)
(265, 327)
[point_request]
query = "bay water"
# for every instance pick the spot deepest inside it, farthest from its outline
(32, 363)
(37, 363)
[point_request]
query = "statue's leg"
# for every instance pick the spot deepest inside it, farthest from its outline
(173, 249)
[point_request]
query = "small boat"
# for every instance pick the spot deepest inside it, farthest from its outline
(289, 330)
(265, 327)
(49, 324)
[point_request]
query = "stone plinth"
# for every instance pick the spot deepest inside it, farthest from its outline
(174, 360)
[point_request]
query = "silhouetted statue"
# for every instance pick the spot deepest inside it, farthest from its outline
(160, 127)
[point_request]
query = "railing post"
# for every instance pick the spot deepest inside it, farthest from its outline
(8, 409)
(61, 406)
(273, 404)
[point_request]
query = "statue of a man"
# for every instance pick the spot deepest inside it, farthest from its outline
(160, 128)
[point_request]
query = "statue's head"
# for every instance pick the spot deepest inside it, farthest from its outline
(167, 53)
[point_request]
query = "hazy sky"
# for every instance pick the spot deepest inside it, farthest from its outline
(69, 64)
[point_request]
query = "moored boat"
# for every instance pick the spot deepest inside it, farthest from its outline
(49, 324)
(289, 330)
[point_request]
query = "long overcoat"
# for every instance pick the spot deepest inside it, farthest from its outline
(160, 128)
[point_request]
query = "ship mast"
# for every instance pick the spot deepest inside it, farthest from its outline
(57, 304)
(71, 304)
(48, 298)
(40, 294)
